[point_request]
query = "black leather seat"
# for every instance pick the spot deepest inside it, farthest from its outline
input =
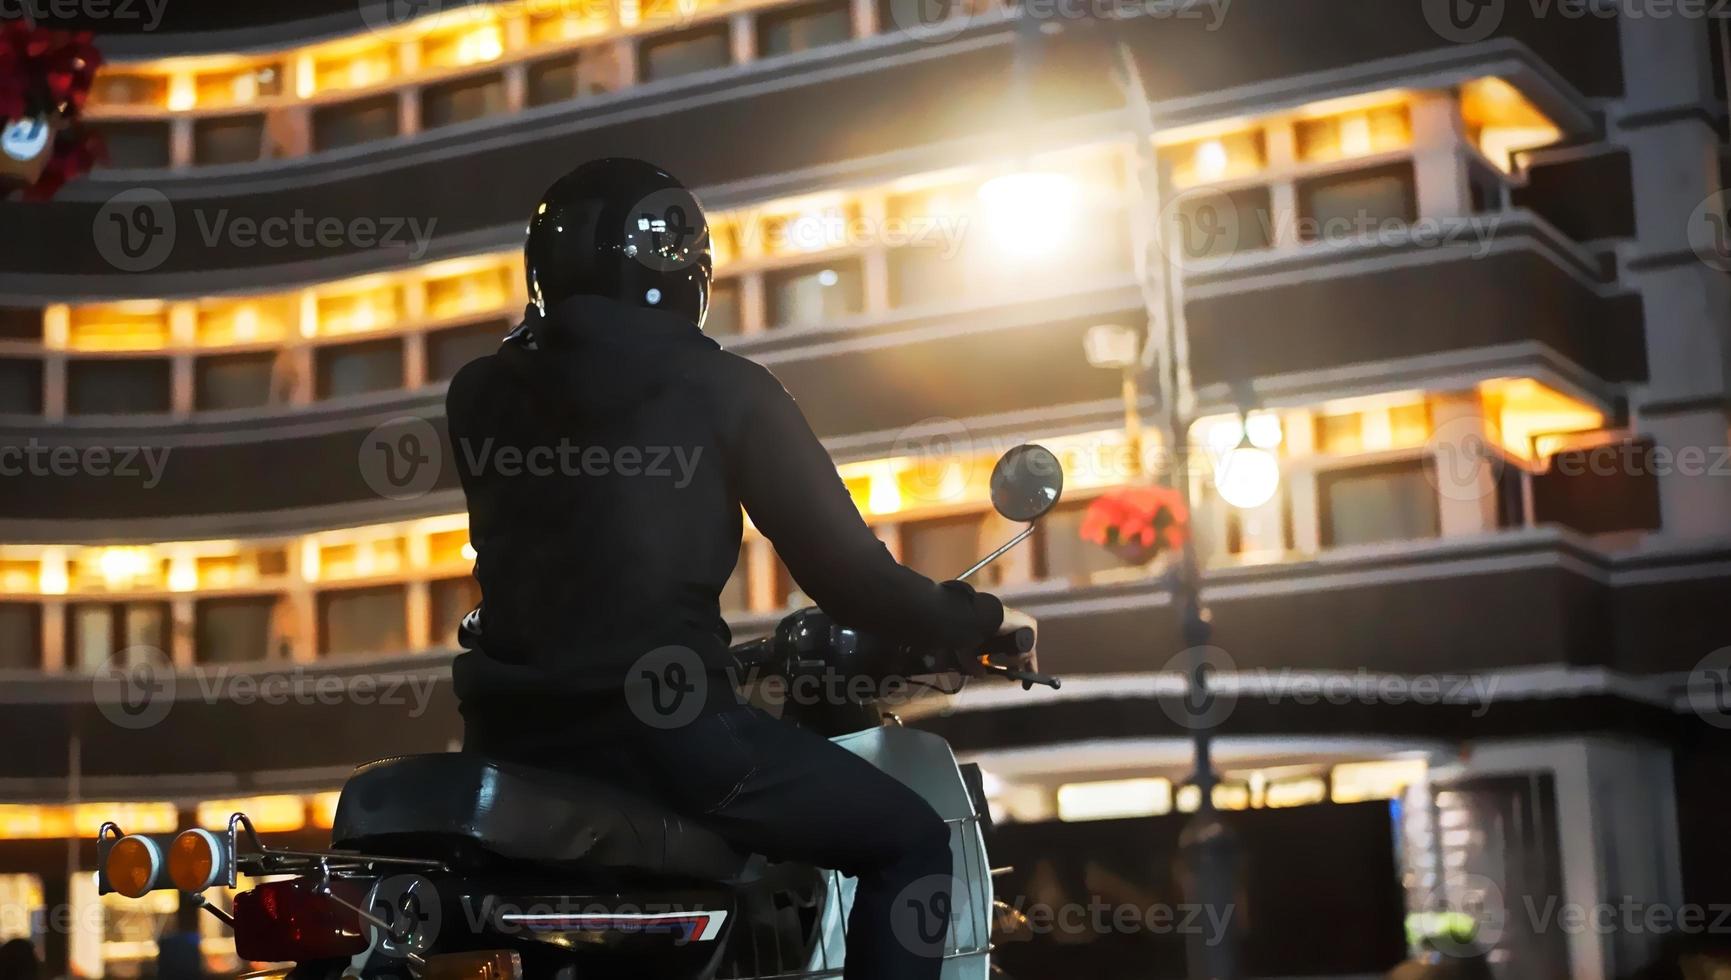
(525, 814)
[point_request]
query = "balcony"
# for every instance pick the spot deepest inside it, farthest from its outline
(1557, 604)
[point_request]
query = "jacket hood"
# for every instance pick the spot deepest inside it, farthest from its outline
(591, 355)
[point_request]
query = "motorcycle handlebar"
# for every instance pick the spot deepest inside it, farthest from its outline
(756, 654)
(1010, 644)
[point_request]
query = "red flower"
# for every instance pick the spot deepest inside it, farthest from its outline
(48, 73)
(1150, 517)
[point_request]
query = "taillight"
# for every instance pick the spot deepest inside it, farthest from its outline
(281, 921)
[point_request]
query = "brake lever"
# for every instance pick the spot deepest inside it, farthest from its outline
(1028, 677)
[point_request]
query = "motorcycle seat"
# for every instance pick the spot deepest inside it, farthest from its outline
(525, 814)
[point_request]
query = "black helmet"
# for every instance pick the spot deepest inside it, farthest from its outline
(624, 229)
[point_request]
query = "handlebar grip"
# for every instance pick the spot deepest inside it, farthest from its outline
(1014, 642)
(753, 653)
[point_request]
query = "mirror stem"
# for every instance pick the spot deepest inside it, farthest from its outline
(1021, 536)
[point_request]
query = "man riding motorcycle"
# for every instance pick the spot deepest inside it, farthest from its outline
(605, 452)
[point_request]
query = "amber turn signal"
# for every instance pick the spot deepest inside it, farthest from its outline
(134, 866)
(197, 859)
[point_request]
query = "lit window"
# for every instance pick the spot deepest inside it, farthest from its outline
(1114, 799)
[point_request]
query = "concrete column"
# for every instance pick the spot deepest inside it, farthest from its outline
(409, 110)
(1465, 479)
(516, 76)
(865, 17)
(300, 618)
(420, 615)
(182, 338)
(875, 263)
(414, 359)
(1616, 826)
(182, 632)
(624, 63)
(53, 635)
(180, 144)
(1299, 442)
(1439, 157)
(54, 387)
(1674, 162)
(742, 37)
(753, 308)
(1281, 149)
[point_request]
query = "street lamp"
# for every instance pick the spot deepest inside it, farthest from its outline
(1030, 213)
(1209, 853)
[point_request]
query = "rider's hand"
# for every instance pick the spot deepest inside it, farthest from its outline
(1015, 619)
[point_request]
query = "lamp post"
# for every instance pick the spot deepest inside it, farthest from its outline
(1209, 858)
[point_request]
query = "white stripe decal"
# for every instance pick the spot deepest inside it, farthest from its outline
(708, 922)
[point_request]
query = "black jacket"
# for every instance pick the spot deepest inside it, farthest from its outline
(605, 472)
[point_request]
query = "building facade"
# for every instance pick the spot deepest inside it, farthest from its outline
(1461, 270)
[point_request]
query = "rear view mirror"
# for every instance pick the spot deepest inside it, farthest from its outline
(1027, 483)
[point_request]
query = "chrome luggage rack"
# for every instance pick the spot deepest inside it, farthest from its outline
(260, 859)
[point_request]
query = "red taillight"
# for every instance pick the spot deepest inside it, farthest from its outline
(281, 921)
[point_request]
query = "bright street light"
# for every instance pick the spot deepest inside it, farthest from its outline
(1247, 477)
(1030, 214)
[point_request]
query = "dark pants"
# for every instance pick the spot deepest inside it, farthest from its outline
(786, 793)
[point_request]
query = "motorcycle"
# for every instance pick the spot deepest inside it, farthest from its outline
(455, 866)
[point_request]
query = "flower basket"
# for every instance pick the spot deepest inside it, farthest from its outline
(1137, 524)
(45, 78)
